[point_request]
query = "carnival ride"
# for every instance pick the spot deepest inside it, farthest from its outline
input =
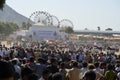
(48, 19)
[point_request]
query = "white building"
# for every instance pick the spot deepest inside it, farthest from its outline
(44, 32)
(41, 32)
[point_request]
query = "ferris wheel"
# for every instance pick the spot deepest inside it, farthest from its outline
(55, 21)
(66, 23)
(48, 19)
(40, 17)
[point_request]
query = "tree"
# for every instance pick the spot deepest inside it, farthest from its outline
(86, 28)
(2, 2)
(108, 29)
(24, 25)
(98, 28)
(69, 30)
(30, 36)
(28, 25)
(8, 28)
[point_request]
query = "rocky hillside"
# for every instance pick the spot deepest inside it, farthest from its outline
(10, 15)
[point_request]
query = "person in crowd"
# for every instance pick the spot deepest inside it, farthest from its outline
(6, 71)
(25, 72)
(62, 70)
(33, 76)
(118, 75)
(117, 69)
(57, 76)
(91, 67)
(103, 67)
(17, 68)
(41, 66)
(53, 66)
(84, 69)
(80, 56)
(74, 73)
(110, 74)
(97, 68)
(89, 75)
(45, 75)
(32, 63)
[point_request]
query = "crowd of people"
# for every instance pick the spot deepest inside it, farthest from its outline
(43, 61)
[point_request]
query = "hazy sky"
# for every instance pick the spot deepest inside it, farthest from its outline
(83, 13)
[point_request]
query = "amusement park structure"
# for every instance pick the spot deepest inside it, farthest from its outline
(48, 19)
(45, 26)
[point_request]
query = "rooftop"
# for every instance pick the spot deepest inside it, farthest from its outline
(95, 32)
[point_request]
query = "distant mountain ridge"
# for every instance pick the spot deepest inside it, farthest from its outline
(10, 15)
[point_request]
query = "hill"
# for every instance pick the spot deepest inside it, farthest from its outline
(10, 15)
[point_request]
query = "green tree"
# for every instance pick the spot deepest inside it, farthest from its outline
(8, 28)
(108, 29)
(24, 25)
(2, 28)
(86, 28)
(69, 30)
(30, 36)
(28, 25)
(14, 26)
(98, 28)
(2, 2)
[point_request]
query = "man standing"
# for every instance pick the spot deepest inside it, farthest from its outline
(74, 73)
